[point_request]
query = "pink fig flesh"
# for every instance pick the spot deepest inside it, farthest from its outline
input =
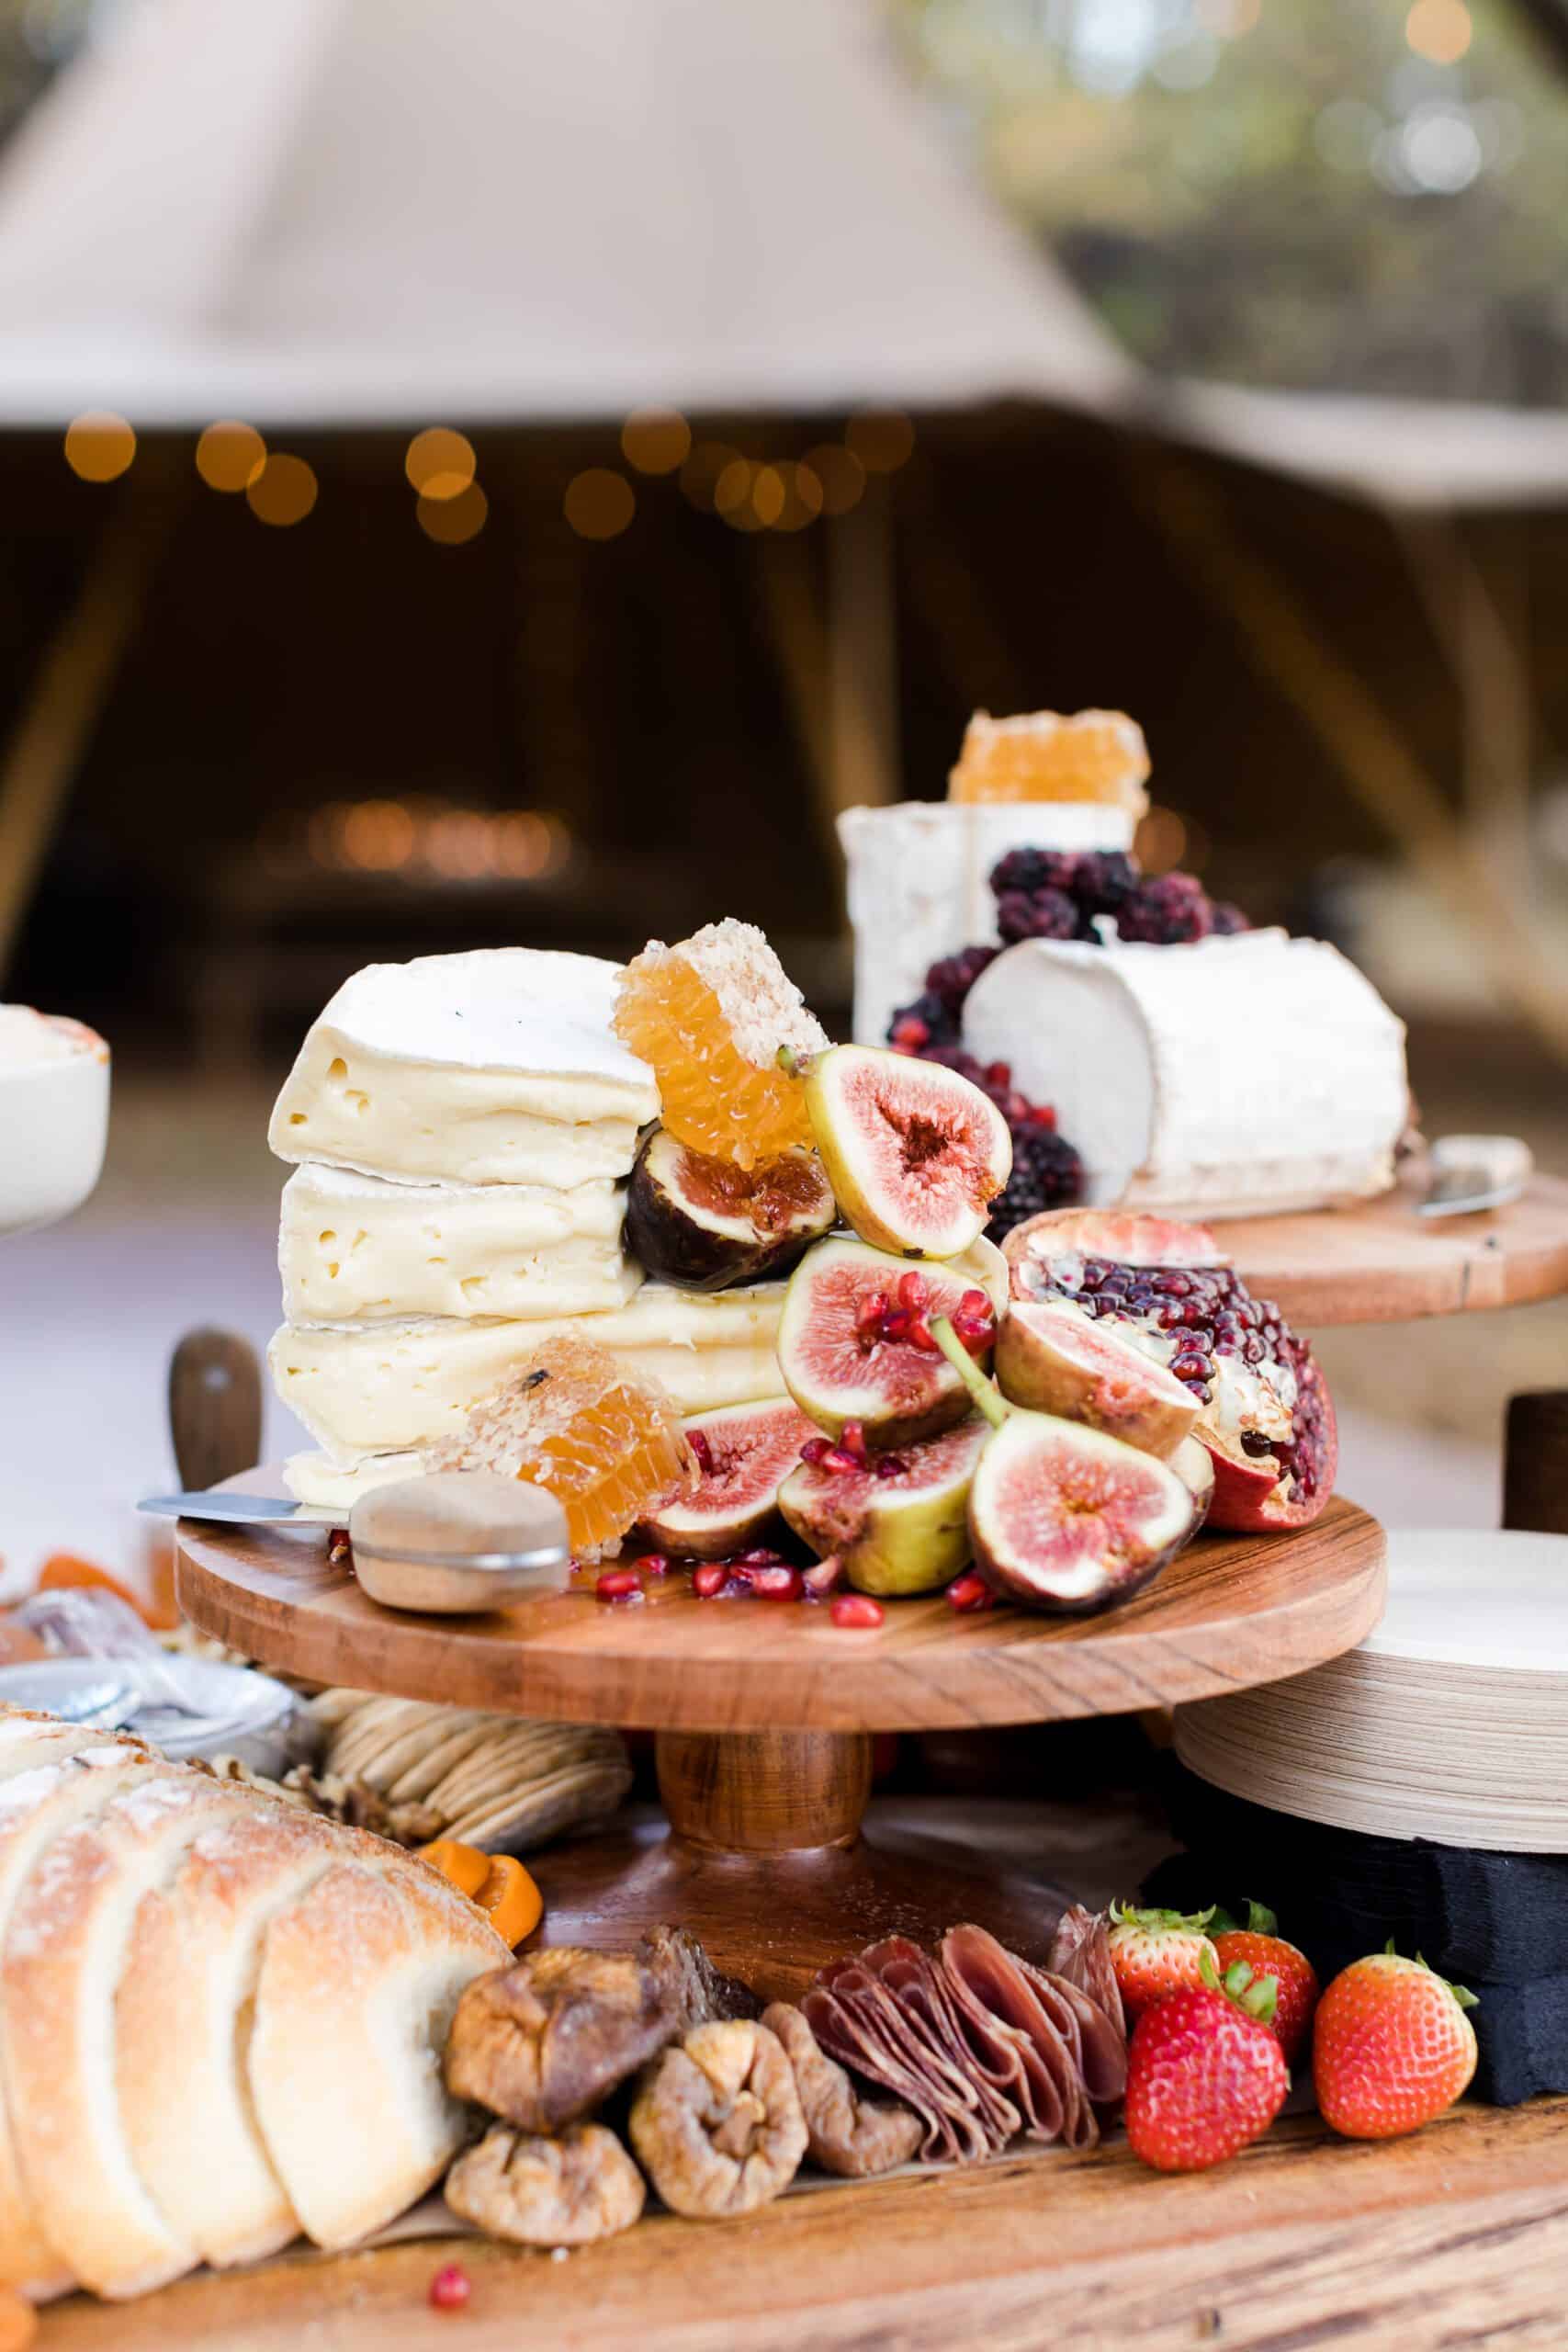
(915, 1153)
(837, 1372)
(744, 1454)
(1066, 1518)
(1050, 1358)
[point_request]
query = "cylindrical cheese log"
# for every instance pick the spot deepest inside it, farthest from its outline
(1232, 1077)
(919, 883)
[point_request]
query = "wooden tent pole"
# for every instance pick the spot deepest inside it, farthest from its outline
(862, 684)
(40, 762)
(1373, 757)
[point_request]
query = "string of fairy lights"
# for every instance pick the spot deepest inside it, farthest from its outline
(749, 494)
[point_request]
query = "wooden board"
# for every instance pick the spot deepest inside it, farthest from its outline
(1380, 1262)
(1456, 2237)
(1230, 1612)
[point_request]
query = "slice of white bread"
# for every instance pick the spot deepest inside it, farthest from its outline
(359, 1979)
(64, 1780)
(63, 1950)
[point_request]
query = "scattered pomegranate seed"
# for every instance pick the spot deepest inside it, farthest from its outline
(970, 1592)
(617, 1584)
(974, 1302)
(450, 2288)
(920, 1337)
(856, 1612)
(911, 1034)
(778, 1582)
(814, 1449)
(763, 1557)
(819, 1581)
(339, 1549)
(851, 1437)
(890, 1466)
(839, 1459)
(702, 1450)
(709, 1579)
(654, 1564)
(896, 1324)
(912, 1291)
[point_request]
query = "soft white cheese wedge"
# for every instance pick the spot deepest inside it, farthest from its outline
(356, 1248)
(498, 1066)
(325, 1488)
(384, 1387)
(919, 883)
(1232, 1077)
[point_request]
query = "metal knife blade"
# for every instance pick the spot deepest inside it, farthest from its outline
(1473, 1172)
(252, 1510)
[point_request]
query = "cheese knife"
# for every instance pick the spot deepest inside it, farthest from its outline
(249, 1510)
(1468, 1174)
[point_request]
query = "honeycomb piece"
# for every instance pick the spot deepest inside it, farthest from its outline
(573, 1420)
(709, 1016)
(1040, 755)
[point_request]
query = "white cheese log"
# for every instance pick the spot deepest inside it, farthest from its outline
(385, 1387)
(919, 883)
(1233, 1077)
(498, 1066)
(358, 1248)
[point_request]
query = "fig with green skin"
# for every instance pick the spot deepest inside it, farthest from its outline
(1051, 1358)
(743, 1455)
(839, 1371)
(894, 1530)
(1061, 1516)
(915, 1153)
(704, 1224)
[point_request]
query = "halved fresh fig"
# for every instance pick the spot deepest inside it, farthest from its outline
(1168, 1292)
(704, 1224)
(1194, 1465)
(1050, 1358)
(1065, 1518)
(896, 1523)
(914, 1152)
(743, 1454)
(854, 1341)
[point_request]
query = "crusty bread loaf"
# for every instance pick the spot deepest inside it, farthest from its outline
(221, 2018)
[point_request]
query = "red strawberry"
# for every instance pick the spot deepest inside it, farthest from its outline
(1205, 2074)
(1266, 1953)
(1155, 1953)
(1392, 2046)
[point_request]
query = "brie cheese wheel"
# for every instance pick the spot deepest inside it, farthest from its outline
(918, 884)
(356, 1248)
(498, 1067)
(1231, 1077)
(326, 1489)
(385, 1387)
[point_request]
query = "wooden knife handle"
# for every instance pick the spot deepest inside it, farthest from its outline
(215, 1406)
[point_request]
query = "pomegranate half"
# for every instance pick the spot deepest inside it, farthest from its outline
(1168, 1294)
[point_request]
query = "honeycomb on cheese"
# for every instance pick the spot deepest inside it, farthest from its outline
(1045, 756)
(710, 1016)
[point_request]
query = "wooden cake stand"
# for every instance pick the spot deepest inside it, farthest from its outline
(763, 1714)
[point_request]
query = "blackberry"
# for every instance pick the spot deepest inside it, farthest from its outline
(1103, 880)
(954, 975)
(1047, 1174)
(1036, 914)
(1169, 909)
(1225, 921)
(1034, 869)
(929, 1021)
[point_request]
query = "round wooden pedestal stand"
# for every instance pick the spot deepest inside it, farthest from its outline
(763, 1714)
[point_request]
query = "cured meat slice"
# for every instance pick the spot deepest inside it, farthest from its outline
(846, 2134)
(1046, 2012)
(844, 2032)
(1099, 2047)
(1080, 1950)
(924, 1995)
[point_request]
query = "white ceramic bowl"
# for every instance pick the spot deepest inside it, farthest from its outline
(54, 1114)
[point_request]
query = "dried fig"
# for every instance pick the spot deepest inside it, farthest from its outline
(541, 2043)
(537, 2191)
(845, 2133)
(716, 2122)
(696, 1991)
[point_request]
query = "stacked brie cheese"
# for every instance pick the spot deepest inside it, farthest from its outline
(463, 1126)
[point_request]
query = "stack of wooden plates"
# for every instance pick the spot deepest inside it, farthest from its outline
(1450, 1721)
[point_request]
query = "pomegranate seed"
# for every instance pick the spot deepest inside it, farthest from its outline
(970, 1592)
(702, 1450)
(890, 1466)
(815, 1449)
(1042, 1116)
(851, 1437)
(896, 1324)
(911, 1032)
(869, 1316)
(654, 1564)
(974, 1302)
(709, 1581)
(737, 1586)
(763, 1556)
(819, 1581)
(912, 1291)
(999, 1074)
(780, 1582)
(617, 1584)
(450, 2288)
(856, 1612)
(839, 1459)
(920, 1337)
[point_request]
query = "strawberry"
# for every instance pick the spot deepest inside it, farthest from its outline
(1155, 1953)
(1205, 2074)
(1392, 2046)
(1266, 1953)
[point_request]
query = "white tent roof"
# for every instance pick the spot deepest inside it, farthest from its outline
(399, 211)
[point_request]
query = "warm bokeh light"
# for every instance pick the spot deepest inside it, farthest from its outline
(768, 494)
(99, 445)
(881, 439)
(599, 504)
(705, 469)
(1438, 30)
(733, 486)
(840, 474)
(656, 440)
(283, 493)
(229, 456)
(440, 463)
(803, 498)
(1165, 840)
(378, 835)
(424, 835)
(453, 521)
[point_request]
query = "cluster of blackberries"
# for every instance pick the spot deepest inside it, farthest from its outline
(1055, 894)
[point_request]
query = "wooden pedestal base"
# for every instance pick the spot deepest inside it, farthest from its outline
(763, 1851)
